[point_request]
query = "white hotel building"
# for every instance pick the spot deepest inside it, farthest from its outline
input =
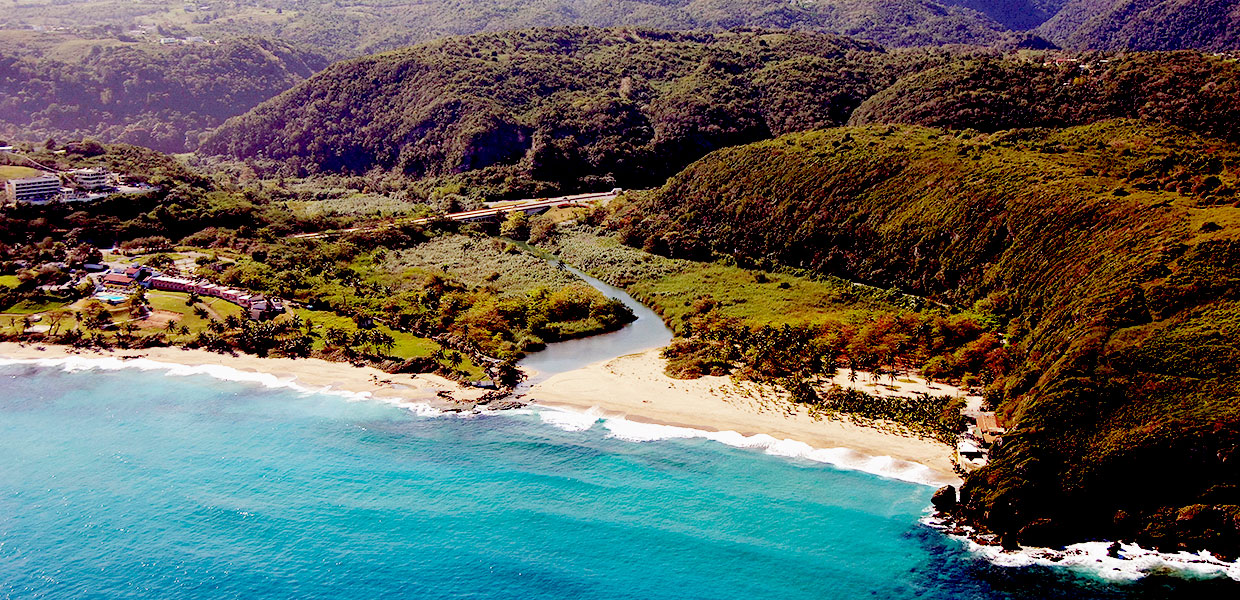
(43, 187)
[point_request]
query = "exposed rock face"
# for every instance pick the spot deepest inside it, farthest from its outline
(505, 405)
(944, 499)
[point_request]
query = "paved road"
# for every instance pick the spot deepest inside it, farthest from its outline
(482, 214)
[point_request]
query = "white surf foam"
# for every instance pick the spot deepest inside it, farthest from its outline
(1093, 558)
(73, 364)
(569, 420)
(844, 458)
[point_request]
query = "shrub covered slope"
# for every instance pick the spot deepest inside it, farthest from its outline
(154, 96)
(1111, 250)
(533, 112)
(570, 106)
(1146, 24)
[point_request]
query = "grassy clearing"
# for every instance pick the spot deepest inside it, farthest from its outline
(175, 302)
(407, 345)
(351, 204)
(475, 262)
(10, 281)
(30, 307)
(676, 288)
(16, 172)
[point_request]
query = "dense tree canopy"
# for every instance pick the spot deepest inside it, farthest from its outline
(1109, 249)
(576, 107)
(1146, 25)
(535, 111)
(990, 93)
(154, 96)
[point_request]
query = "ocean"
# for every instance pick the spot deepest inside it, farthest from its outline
(139, 484)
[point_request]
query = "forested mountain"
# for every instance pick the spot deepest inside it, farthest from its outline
(579, 108)
(990, 93)
(361, 27)
(572, 107)
(1111, 252)
(1018, 15)
(1146, 25)
(367, 26)
(155, 96)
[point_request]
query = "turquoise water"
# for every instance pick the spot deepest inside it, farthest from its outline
(133, 484)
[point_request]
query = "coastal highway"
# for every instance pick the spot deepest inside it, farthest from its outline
(529, 206)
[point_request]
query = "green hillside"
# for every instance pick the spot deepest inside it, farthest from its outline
(145, 94)
(366, 26)
(538, 111)
(1189, 89)
(1146, 25)
(1109, 252)
(572, 108)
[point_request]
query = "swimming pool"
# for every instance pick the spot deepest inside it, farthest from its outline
(111, 298)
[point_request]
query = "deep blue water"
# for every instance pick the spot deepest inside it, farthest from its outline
(133, 484)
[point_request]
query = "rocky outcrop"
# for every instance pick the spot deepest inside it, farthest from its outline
(944, 499)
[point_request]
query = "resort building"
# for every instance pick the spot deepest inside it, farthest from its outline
(204, 288)
(172, 284)
(90, 179)
(32, 189)
(117, 279)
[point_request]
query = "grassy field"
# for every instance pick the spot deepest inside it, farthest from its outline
(407, 345)
(672, 287)
(14, 172)
(476, 262)
(9, 281)
(352, 204)
(30, 307)
(175, 302)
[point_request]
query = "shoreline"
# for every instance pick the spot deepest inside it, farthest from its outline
(636, 397)
(633, 390)
(312, 375)
(841, 444)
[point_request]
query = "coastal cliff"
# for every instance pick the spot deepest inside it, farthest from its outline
(1108, 251)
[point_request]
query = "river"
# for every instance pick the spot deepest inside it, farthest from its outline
(647, 332)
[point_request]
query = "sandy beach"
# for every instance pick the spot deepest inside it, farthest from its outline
(635, 387)
(309, 373)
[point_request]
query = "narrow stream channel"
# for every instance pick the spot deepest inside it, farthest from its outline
(647, 332)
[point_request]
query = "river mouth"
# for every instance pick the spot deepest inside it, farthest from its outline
(644, 333)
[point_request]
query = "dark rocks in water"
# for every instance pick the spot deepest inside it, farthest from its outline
(1043, 532)
(1113, 550)
(505, 405)
(944, 499)
(1008, 542)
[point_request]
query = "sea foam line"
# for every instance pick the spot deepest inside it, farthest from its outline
(1094, 559)
(73, 364)
(618, 427)
(843, 458)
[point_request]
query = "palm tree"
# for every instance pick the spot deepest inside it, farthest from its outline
(383, 341)
(54, 319)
